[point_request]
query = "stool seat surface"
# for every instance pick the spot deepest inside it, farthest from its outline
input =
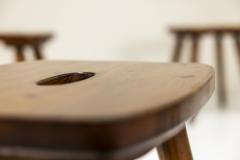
(122, 111)
(117, 91)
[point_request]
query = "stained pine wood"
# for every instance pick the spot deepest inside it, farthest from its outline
(121, 112)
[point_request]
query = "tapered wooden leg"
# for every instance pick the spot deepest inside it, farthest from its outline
(19, 53)
(37, 52)
(236, 37)
(220, 70)
(178, 47)
(177, 148)
(195, 44)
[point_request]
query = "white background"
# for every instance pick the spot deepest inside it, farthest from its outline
(137, 30)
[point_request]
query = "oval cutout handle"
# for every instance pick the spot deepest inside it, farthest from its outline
(66, 78)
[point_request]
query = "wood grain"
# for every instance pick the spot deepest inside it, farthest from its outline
(122, 112)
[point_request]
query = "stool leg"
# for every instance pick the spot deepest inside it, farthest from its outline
(220, 70)
(178, 47)
(37, 52)
(19, 53)
(195, 44)
(177, 148)
(237, 44)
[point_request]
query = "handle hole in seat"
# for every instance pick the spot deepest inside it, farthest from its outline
(65, 78)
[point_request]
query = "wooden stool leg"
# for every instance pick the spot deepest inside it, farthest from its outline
(177, 148)
(37, 52)
(19, 53)
(178, 47)
(220, 70)
(195, 44)
(237, 44)
(194, 55)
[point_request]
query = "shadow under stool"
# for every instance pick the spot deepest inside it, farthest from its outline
(19, 41)
(195, 33)
(83, 110)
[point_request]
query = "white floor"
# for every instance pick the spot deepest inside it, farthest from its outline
(216, 135)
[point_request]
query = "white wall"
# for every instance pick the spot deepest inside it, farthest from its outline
(111, 29)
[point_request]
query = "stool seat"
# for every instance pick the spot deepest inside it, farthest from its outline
(205, 28)
(96, 110)
(25, 38)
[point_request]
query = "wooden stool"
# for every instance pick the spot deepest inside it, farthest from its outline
(70, 110)
(21, 40)
(195, 34)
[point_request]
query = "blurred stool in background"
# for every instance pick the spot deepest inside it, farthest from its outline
(19, 41)
(194, 33)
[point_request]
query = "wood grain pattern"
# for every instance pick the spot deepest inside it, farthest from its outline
(122, 112)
